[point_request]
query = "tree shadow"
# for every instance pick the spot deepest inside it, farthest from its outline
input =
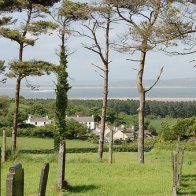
(79, 188)
(188, 185)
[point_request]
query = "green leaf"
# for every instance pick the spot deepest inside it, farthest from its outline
(15, 35)
(41, 27)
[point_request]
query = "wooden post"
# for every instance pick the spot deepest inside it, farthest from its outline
(61, 165)
(110, 146)
(4, 147)
(181, 164)
(0, 170)
(43, 180)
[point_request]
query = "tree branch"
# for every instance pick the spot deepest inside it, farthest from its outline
(148, 89)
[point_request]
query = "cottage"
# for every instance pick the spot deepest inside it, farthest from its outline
(118, 132)
(88, 120)
(38, 121)
(124, 133)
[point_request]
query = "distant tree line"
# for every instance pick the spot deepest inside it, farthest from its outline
(157, 108)
(116, 108)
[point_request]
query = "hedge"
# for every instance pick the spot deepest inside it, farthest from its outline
(87, 150)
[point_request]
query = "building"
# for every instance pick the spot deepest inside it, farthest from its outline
(87, 120)
(38, 121)
(118, 132)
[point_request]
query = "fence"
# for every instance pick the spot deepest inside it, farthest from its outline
(177, 163)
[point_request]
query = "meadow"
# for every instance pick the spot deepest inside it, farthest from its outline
(28, 143)
(87, 176)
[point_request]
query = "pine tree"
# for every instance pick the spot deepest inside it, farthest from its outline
(67, 13)
(62, 88)
(34, 25)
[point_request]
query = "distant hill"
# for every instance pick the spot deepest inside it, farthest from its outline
(178, 82)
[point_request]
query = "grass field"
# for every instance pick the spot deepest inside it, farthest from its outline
(124, 177)
(27, 143)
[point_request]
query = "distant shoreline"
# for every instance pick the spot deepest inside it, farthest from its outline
(136, 98)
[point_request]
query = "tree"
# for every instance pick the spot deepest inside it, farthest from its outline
(2, 69)
(66, 14)
(101, 18)
(147, 22)
(165, 131)
(75, 129)
(183, 128)
(33, 25)
(188, 11)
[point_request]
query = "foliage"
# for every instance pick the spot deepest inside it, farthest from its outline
(38, 110)
(73, 11)
(30, 68)
(22, 116)
(4, 104)
(184, 128)
(2, 70)
(165, 131)
(62, 88)
(93, 138)
(75, 129)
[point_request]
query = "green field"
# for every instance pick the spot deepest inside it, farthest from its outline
(27, 143)
(125, 176)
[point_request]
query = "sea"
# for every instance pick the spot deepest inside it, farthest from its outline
(96, 92)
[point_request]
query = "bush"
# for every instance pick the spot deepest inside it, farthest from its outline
(45, 131)
(93, 139)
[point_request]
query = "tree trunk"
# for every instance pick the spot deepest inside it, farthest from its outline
(105, 97)
(141, 108)
(111, 146)
(3, 147)
(15, 122)
(103, 116)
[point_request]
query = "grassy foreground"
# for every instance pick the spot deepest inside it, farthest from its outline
(124, 177)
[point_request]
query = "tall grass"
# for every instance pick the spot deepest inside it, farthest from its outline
(125, 176)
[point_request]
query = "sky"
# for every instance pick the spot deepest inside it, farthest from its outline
(80, 66)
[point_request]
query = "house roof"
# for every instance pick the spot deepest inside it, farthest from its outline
(81, 118)
(128, 130)
(39, 119)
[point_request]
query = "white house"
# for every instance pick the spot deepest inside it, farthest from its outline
(98, 129)
(38, 121)
(88, 120)
(118, 133)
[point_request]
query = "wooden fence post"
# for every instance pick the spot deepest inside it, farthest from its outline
(110, 146)
(4, 147)
(43, 180)
(15, 181)
(61, 165)
(0, 170)
(182, 160)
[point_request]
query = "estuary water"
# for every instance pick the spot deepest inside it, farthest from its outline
(96, 92)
